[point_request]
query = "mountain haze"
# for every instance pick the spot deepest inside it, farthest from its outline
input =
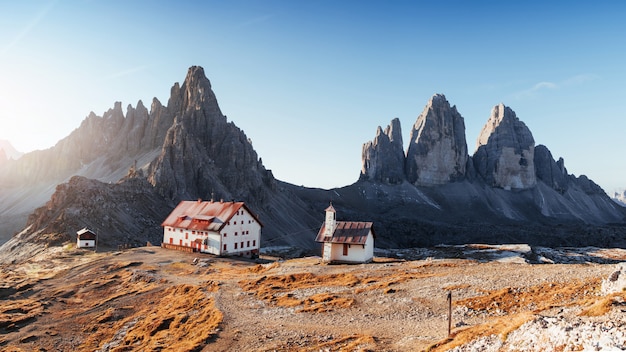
(185, 150)
(7, 151)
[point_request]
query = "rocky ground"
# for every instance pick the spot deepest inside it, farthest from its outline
(155, 299)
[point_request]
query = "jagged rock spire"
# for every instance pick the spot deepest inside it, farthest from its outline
(202, 152)
(505, 151)
(437, 153)
(383, 158)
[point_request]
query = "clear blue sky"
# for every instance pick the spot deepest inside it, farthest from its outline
(309, 81)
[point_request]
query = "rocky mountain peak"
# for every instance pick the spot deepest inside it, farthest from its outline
(437, 152)
(196, 89)
(505, 151)
(202, 153)
(383, 158)
(394, 131)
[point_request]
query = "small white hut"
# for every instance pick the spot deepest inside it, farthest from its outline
(85, 238)
(345, 241)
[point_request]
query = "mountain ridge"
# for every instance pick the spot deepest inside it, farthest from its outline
(436, 193)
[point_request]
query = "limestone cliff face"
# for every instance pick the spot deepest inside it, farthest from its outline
(437, 153)
(505, 151)
(204, 155)
(552, 173)
(383, 158)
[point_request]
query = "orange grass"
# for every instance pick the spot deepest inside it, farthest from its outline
(501, 326)
(184, 318)
(603, 305)
(519, 305)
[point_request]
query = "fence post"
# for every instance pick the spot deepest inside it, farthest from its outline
(449, 312)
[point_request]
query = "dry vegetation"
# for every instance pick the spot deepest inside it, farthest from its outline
(153, 299)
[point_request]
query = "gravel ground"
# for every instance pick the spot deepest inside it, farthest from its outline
(393, 304)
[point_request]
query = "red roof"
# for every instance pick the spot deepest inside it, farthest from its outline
(204, 216)
(86, 234)
(351, 232)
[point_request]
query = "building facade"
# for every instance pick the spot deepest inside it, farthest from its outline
(220, 228)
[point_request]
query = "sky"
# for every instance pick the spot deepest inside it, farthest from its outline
(310, 81)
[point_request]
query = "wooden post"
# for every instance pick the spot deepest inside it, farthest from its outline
(449, 312)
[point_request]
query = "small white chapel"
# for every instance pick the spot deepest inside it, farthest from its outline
(345, 241)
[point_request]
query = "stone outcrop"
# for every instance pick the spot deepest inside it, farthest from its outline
(437, 152)
(383, 158)
(505, 151)
(616, 282)
(129, 212)
(552, 173)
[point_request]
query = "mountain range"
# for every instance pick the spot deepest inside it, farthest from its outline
(121, 173)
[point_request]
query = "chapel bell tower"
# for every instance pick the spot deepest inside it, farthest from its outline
(330, 222)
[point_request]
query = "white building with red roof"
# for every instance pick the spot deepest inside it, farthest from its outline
(85, 238)
(221, 228)
(345, 241)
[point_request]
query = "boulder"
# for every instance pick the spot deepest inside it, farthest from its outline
(616, 282)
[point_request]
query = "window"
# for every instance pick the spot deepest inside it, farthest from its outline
(225, 234)
(235, 245)
(181, 242)
(248, 221)
(345, 249)
(241, 244)
(186, 235)
(235, 233)
(253, 243)
(181, 230)
(224, 248)
(171, 240)
(248, 244)
(193, 232)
